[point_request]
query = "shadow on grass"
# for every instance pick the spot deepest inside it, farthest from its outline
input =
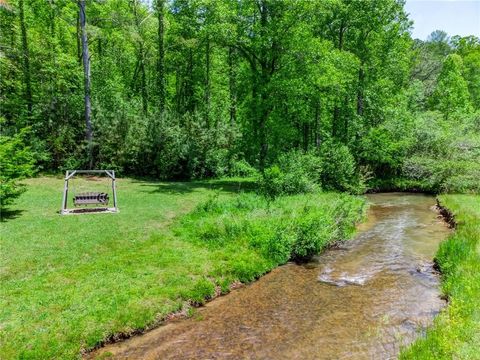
(184, 187)
(6, 214)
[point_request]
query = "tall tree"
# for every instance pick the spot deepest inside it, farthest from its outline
(86, 75)
(141, 55)
(160, 9)
(451, 94)
(26, 58)
(232, 84)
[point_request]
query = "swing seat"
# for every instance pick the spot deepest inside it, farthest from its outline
(90, 198)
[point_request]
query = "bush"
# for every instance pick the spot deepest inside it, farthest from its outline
(171, 146)
(338, 171)
(443, 175)
(296, 173)
(332, 168)
(276, 182)
(445, 156)
(242, 168)
(16, 163)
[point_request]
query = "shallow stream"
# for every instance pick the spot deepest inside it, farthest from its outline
(362, 300)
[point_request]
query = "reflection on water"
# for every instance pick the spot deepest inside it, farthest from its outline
(363, 300)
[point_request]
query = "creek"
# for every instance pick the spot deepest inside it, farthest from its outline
(363, 299)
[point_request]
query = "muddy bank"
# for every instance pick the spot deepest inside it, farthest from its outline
(447, 215)
(364, 299)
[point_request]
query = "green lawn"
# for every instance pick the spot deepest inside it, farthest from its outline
(69, 282)
(456, 333)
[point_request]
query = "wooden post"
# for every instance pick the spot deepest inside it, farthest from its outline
(114, 191)
(65, 194)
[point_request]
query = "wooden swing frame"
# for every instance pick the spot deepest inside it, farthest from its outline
(70, 174)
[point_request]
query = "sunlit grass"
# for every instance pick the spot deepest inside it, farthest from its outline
(69, 282)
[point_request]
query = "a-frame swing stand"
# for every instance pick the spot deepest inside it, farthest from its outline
(100, 199)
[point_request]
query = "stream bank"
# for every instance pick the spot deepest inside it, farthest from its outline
(364, 299)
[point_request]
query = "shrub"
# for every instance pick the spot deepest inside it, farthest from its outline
(296, 173)
(171, 146)
(443, 175)
(242, 168)
(16, 163)
(445, 157)
(338, 168)
(276, 182)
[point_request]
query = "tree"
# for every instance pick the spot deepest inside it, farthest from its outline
(86, 72)
(160, 9)
(26, 58)
(469, 49)
(451, 94)
(16, 164)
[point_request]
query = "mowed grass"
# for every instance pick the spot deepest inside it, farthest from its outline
(70, 282)
(456, 332)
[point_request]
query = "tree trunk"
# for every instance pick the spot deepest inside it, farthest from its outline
(360, 103)
(79, 44)
(53, 54)
(317, 124)
(232, 86)
(86, 73)
(144, 80)
(336, 120)
(26, 59)
(263, 113)
(160, 6)
(336, 110)
(207, 82)
(306, 136)
(189, 90)
(141, 59)
(345, 122)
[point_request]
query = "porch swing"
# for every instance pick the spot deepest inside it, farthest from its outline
(88, 201)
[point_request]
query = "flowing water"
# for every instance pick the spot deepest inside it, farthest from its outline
(363, 300)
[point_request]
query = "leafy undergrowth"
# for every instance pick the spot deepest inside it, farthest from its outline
(456, 332)
(248, 235)
(68, 283)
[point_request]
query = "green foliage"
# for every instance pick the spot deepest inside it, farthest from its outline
(451, 94)
(332, 167)
(443, 157)
(242, 168)
(338, 167)
(382, 151)
(228, 89)
(231, 93)
(292, 227)
(16, 163)
(296, 173)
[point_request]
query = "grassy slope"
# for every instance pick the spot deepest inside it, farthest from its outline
(456, 333)
(68, 282)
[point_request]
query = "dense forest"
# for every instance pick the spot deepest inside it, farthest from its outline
(333, 94)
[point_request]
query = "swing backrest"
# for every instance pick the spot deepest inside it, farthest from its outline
(90, 198)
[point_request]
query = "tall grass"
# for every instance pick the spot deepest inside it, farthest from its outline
(456, 333)
(259, 234)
